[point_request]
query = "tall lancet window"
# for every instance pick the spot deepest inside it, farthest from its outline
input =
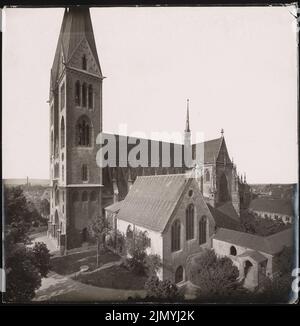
(83, 132)
(62, 133)
(202, 230)
(77, 93)
(84, 172)
(175, 236)
(90, 97)
(84, 95)
(84, 65)
(207, 176)
(189, 222)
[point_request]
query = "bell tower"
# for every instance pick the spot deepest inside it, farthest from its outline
(76, 120)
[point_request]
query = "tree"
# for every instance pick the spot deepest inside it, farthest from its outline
(216, 277)
(25, 268)
(98, 228)
(161, 290)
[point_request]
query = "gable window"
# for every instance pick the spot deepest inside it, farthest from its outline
(90, 97)
(207, 176)
(84, 95)
(202, 230)
(83, 132)
(62, 96)
(77, 93)
(83, 63)
(84, 172)
(189, 220)
(175, 236)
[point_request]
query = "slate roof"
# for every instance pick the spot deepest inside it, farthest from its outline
(229, 210)
(271, 244)
(254, 255)
(211, 149)
(152, 199)
(222, 220)
(115, 207)
(279, 206)
(75, 26)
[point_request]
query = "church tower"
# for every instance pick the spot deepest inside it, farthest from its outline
(75, 121)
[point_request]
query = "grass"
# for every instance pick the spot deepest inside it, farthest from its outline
(71, 263)
(115, 277)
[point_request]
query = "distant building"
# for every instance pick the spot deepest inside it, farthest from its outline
(275, 209)
(255, 256)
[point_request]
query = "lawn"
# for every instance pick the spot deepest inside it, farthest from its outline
(71, 263)
(115, 277)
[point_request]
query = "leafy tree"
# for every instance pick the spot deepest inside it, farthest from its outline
(25, 267)
(216, 277)
(136, 244)
(261, 226)
(161, 290)
(98, 228)
(152, 264)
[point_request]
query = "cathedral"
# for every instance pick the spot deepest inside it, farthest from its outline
(80, 189)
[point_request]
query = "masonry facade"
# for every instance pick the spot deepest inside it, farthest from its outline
(79, 188)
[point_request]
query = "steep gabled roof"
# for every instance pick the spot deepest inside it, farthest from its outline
(222, 220)
(271, 244)
(152, 199)
(76, 26)
(211, 149)
(279, 206)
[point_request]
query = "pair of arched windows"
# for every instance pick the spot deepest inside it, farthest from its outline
(176, 229)
(84, 95)
(84, 132)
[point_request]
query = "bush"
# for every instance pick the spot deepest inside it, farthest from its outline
(162, 290)
(216, 277)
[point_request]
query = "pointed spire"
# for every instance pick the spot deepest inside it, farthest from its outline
(222, 132)
(187, 124)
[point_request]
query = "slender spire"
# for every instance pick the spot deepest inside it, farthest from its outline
(222, 132)
(187, 125)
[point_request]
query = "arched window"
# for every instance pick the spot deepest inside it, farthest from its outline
(56, 196)
(52, 143)
(84, 95)
(77, 92)
(175, 236)
(75, 196)
(90, 97)
(207, 176)
(83, 132)
(84, 196)
(93, 196)
(63, 173)
(202, 230)
(62, 133)
(84, 172)
(83, 62)
(129, 232)
(189, 221)
(179, 274)
(62, 96)
(233, 251)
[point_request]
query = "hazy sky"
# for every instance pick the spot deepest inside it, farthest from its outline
(238, 67)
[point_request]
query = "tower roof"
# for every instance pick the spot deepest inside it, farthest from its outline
(76, 26)
(187, 124)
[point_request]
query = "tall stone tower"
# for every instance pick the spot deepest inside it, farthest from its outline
(75, 121)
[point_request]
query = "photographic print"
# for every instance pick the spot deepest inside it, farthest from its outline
(150, 155)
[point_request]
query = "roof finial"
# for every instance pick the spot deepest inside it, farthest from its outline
(222, 132)
(187, 124)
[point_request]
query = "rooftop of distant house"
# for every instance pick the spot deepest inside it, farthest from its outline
(279, 206)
